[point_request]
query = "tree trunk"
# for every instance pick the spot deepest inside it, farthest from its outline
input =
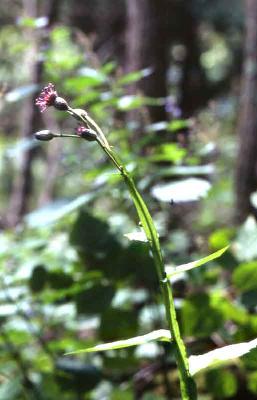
(246, 172)
(22, 186)
(147, 46)
(30, 117)
(194, 84)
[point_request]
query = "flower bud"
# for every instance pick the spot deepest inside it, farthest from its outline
(86, 133)
(45, 135)
(60, 104)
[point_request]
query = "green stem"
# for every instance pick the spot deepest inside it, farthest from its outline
(188, 388)
(187, 384)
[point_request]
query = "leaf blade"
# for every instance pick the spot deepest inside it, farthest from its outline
(161, 334)
(171, 271)
(219, 356)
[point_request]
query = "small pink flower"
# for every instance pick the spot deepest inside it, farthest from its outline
(80, 130)
(47, 97)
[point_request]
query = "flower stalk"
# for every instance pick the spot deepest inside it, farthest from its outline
(187, 384)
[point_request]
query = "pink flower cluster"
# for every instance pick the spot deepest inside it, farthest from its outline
(47, 97)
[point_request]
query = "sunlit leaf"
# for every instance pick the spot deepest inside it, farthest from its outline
(161, 334)
(169, 152)
(190, 189)
(20, 93)
(88, 77)
(11, 389)
(130, 102)
(178, 124)
(245, 243)
(220, 356)
(138, 236)
(134, 76)
(55, 211)
(171, 271)
(187, 170)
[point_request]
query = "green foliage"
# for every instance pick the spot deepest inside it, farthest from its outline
(199, 317)
(245, 276)
(71, 280)
(222, 383)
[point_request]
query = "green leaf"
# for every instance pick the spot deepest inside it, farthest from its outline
(77, 376)
(116, 323)
(252, 382)
(88, 77)
(133, 76)
(178, 124)
(214, 358)
(95, 299)
(130, 102)
(38, 278)
(199, 316)
(221, 238)
(161, 334)
(169, 152)
(221, 383)
(55, 211)
(171, 271)
(245, 276)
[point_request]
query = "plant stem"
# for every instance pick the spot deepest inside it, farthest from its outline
(187, 384)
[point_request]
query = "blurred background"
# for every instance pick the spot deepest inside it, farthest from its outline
(173, 84)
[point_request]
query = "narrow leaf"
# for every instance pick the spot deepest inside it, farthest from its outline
(219, 356)
(171, 271)
(161, 334)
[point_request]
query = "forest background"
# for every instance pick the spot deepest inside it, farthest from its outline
(173, 84)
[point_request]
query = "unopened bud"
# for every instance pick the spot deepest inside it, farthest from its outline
(60, 104)
(45, 135)
(86, 133)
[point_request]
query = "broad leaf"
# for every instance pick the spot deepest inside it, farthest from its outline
(245, 243)
(245, 276)
(190, 189)
(171, 271)
(55, 211)
(220, 356)
(161, 334)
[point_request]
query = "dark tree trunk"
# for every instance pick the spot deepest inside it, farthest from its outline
(246, 172)
(22, 186)
(193, 85)
(147, 46)
(30, 117)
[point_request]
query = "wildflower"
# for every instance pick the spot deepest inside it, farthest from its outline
(86, 133)
(49, 97)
